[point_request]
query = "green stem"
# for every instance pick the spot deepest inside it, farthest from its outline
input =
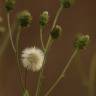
(62, 73)
(39, 83)
(49, 42)
(41, 71)
(10, 33)
(18, 62)
(41, 38)
(25, 78)
(57, 16)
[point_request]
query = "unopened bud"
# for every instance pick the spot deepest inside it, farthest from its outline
(67, 3)
(9, 5)
(24, 18)
(56, 32)
(81, 41)
(44, 19)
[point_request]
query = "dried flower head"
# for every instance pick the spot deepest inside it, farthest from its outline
(81, 41)
(44, 19)
(24, 18)
(56, 32)
(32, 58)
(67, 3)
(9, 5)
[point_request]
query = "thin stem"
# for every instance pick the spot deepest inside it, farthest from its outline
(41, 71)
(57, 16)
(39, 83)
(10, 33)
(92, 76)
(25, 78)
(41, 38)
(49, 42)
(62, 73)
(18, 62)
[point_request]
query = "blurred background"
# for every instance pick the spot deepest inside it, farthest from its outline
(80, 18)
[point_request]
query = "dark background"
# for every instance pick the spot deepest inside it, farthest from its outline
(80, 18)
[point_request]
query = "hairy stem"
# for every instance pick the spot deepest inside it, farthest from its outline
(62, 73)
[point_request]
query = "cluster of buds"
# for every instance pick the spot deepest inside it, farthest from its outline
(9, 5)
(24, 18)
(44, 18)
(81, 41)
(66, 3)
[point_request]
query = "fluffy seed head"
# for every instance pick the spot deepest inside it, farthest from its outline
(32, 58)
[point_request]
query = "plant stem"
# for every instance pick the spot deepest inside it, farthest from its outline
(49, 42)
(18, 62)
(10, 33)
(57, 16)
(92, 76)
(41, 71)
(62, 73)
(41, 38)
(39, 83)
(25, 78)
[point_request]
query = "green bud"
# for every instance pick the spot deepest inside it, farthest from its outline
(66, 3)
(81, 41)
(9, 5)
(44, 19)
(56, 32)
(24, 18)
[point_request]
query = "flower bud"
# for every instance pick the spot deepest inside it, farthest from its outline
(67, 3)
(24, 18)
(9, 5)
(56, 32)
(81, 41)
(44, 19)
